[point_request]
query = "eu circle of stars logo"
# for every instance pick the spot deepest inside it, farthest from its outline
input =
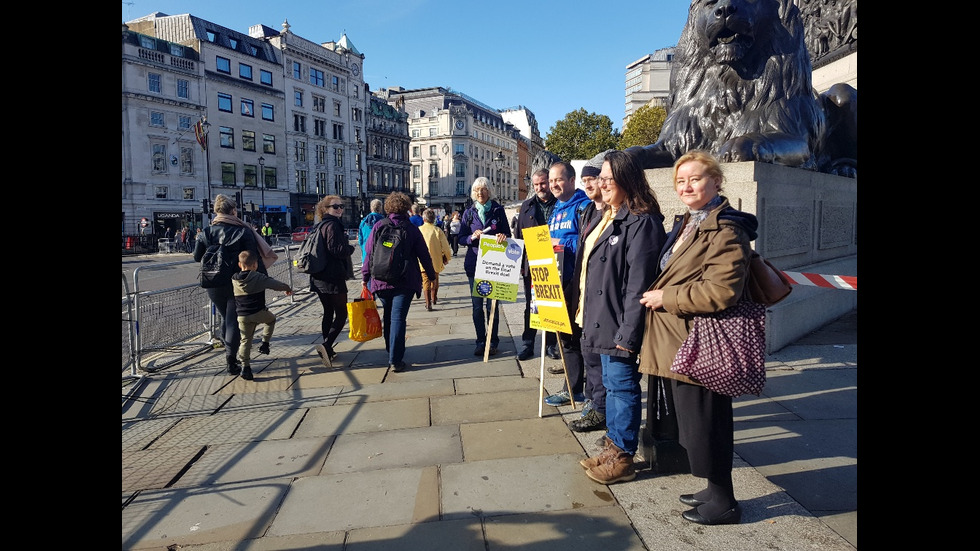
(484, 288)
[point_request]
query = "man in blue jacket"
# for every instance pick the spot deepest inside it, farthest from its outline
(564, 227)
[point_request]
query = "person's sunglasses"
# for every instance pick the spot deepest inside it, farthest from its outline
(337, 207)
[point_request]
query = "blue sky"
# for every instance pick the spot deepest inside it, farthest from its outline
(551, 57)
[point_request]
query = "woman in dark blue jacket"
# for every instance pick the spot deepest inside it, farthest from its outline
(484, 217)
(619, 259)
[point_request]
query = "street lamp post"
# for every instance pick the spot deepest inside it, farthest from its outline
(499, 161)
(206, 130)
(262, 182)
(360, 179)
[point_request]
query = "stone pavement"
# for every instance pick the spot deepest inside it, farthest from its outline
(453, 453)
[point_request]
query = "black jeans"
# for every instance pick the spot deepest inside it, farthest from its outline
(334, 315)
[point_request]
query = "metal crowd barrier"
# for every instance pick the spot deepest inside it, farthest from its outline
(166, 326)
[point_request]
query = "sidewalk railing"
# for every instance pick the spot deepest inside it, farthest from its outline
(166, 326)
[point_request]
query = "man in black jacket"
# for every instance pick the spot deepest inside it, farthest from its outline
(535, 211)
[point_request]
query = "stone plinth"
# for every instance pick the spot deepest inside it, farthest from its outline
(807, 223)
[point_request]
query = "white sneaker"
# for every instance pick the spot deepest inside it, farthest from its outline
(324, 358)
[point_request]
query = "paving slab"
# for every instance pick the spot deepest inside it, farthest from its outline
(545, 482)
(201, 515)
(366, 417)
(223, 428)
(353, 500)
(517, 438)
(256, 461)
(418, 447)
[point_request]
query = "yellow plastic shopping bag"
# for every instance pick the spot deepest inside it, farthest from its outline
(362, 315)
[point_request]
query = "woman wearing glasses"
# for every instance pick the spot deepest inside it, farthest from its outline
(330, 284)
(618, 263)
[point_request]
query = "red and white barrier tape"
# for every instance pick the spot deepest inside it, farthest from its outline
(849, 283)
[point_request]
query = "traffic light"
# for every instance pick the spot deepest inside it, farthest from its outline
(204, 205)
(238, 200)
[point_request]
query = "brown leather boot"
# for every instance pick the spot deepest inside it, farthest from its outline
(590, 462)
(616, 466)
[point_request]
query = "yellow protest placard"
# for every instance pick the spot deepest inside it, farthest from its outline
(548, 311)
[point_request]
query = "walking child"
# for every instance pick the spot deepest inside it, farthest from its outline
(249, 287)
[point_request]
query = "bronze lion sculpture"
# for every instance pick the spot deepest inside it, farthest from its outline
(741, 87)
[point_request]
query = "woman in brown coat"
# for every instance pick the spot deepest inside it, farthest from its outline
(704, 265)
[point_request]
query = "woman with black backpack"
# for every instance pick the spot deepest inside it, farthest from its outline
(230, 234)
(330, 284)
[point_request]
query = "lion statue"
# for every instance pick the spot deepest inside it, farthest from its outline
(741, 87)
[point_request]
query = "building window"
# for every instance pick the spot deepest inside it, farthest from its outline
(338, 184)
(386, 182)
(297, 70)
(245, 71)
(250, 175)
(432, 151)
(265, 77)
(316, 77)
(153, 82)
(321, 183)
(416, 133)
(148, 43)
(338, 131)
(228, 175)
(321, 154)
(156, 119)
(335, 83)
(233, 42)
(416, 172)
(186, 160)
(299, 123)
(227, 137)
(223, 65)
(248, 140)
(320, 104)
(415, 152)
(211, 36)
(188, 193)
(248, 108)
(160, 192)
(298, 98)
(433, 189)
(268, 143)
(336, 108)
(224, 102)
(183, 88)
(270, 178)
(460, 149)
(177, 50)
(338, 157)
(268, 113)
(300, 151)
(433, 170)
(432, 131)
(301, 180)
(356, 114)
(460, 187)
(357, 91)
(320, 128)
(159, 158)
(461, 170)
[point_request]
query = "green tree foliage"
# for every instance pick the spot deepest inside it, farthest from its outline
(643, 127)
(581, 135)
